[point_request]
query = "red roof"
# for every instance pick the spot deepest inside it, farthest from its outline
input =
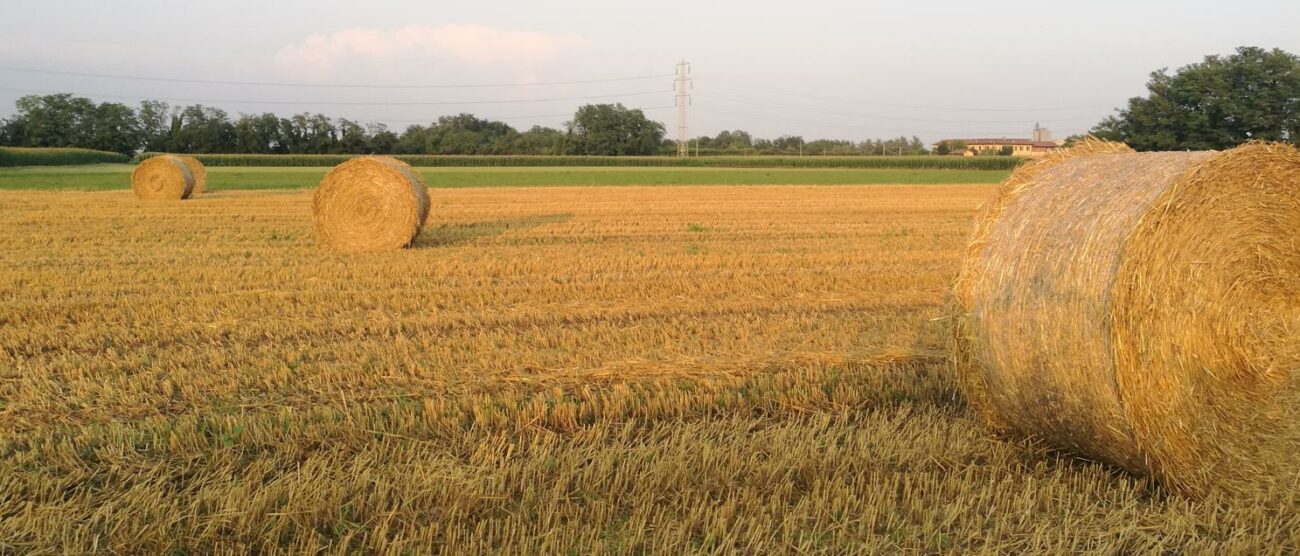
(1003, 141)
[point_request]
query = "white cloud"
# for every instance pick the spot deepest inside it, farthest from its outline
(475, 44)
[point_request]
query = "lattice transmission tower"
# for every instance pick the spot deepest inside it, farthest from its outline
(682, 85)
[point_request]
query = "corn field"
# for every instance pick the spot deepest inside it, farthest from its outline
(22, 156)
(881, 162)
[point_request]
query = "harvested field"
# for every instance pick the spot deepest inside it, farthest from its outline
(631, 369)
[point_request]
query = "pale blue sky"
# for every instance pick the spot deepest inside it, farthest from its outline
(851, 69)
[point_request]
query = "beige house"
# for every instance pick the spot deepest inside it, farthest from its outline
(1040, 145)
(1019, 147)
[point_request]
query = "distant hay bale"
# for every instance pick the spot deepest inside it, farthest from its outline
(370, 204)
(200, 174)
(163, 177)
(1143, 309)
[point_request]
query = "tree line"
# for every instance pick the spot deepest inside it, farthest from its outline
(741, 142)
(65, 120)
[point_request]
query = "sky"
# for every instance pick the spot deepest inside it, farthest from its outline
(856, 70)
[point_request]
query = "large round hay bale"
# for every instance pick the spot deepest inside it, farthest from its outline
(370, 204)
(1143, 309)
(200, 174)
(164, 177)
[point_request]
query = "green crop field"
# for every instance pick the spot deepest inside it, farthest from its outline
(911, 162)
(22, 156)
(104, 177)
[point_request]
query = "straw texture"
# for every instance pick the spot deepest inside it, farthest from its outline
(162, 178)
(1143, 310)
(200, 174)
(370, 204)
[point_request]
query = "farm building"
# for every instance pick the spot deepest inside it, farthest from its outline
(1039, 145)
(1019, 147)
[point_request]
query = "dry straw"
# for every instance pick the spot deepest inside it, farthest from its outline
(200, 174)
(370, 204)
(1143, 309)
(164, 177)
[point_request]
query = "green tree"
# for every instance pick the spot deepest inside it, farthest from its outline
(737, 141)
(468, 134)
(202, 129)
(788, 143)
(830, 147)
(246, 140)
(11, 132)
(257, 134)
(916, 146)
(613, 130)
(352, 138)
(322, 135)
(382, 140)
(60, 120)
(293, 134)
(155, 125)
(114, 127)
(415, 140)
(540, 140)
(949, 147)
(1216, 104)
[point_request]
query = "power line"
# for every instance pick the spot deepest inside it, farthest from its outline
(779, 119)
(349, 103)
(494, 118)
(328, 85)
(752, 87)
(829, 112)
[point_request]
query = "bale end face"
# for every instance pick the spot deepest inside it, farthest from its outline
(162, 178)
(370, 204)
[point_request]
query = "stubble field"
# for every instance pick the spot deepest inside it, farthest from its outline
(559, 370)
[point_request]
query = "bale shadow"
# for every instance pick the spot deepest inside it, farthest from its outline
(457, 234)
(923, 369)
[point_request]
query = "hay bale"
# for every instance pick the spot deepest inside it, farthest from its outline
(1143, 309)
(162, 178)
(200, 174)
(370, 204)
